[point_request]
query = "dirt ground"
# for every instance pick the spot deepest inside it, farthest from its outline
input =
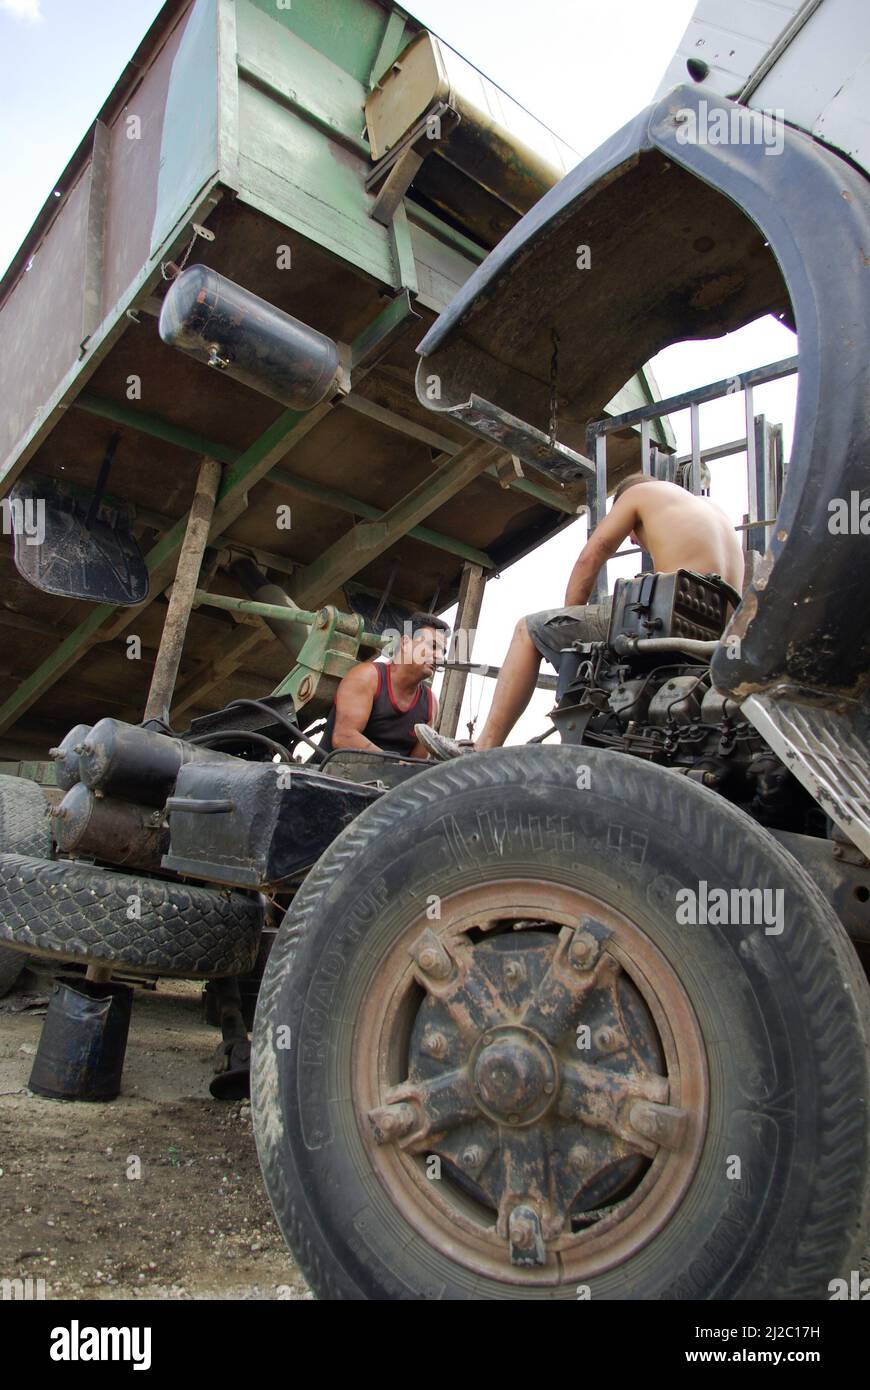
(196, 1224)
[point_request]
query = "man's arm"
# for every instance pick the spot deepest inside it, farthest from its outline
(353, 707)
(604, 542)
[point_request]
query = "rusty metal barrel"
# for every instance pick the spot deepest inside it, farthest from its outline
(227, 327)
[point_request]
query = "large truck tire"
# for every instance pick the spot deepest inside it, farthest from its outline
(493, 1059)
(24, 829)
(149, 926)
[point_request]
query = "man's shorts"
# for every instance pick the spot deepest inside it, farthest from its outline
(555, 628)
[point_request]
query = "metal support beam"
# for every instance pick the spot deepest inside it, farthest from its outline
(471, 591)
(762, 504)
(756, 376)
(92, 288)
(395, 186)
(695, 421)
(342, 501)
(598, 509)
(371, 538)
(181, 601)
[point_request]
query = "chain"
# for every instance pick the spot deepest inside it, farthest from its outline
(170, 270)
(554, 376)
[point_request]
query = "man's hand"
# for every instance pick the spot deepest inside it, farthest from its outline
(353, 708)
(601, 546)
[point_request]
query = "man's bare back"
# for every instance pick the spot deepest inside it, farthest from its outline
(679, 530)
(682, 531)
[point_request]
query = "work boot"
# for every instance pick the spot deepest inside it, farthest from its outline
(440, 746)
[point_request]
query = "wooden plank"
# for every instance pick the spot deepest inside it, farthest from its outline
(471, 591)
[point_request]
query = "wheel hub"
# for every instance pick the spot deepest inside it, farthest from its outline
(515, 1075)
(533, 1068)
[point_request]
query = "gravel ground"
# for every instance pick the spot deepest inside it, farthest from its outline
(195, 1224)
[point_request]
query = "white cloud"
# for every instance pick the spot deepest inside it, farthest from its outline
(23, 9)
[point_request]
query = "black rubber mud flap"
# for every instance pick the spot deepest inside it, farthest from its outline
(61, 549)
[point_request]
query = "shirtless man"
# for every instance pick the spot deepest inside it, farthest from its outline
(679, 530)
(378, 703)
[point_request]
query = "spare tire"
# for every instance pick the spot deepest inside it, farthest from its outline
(494, 1057)
(25, 828)
(64, 908)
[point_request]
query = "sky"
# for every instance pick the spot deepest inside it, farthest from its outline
(584, 67)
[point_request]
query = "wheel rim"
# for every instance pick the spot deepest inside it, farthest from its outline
(539, 1046)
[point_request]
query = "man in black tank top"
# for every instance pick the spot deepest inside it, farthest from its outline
(378, 703)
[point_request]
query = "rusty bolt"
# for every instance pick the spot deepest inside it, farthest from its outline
(522, 1229)
(472, 1156)
(392, 1122)
(435, 1044)
(514, 971)
(431, 956)
(608, 1039)
(582, 951)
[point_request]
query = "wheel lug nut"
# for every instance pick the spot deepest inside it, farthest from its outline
(514, 971)
(583, 950)
(431, 956)
(524, 1235)
(471, 1157)
(391, 1122)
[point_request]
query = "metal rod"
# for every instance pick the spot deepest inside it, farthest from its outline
(695, 420)
(598, 508)
(715, 451)
(756, 376)
(690, 645)
(249, 605)
(645, 466)
(271, 610)
(751, 475)
(492, 673)
(181, 602)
